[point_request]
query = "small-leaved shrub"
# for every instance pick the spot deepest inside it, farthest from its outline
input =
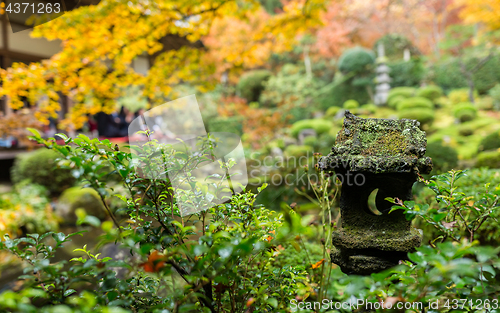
(431, 92)
(40, 167)
(465, 111)
(319, 125)
(350, 104)
(414, 103)
(490, 159)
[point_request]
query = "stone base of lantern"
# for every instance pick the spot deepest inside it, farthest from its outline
(371, 252)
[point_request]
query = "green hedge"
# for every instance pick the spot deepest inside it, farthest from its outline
(431, 92)
(298, 151)
(414, 103)
(424, 116)
(75, 198)
(332, 111)
(351, 104)
(465, 111)
(319, 125)
(444, 158)
(40, 167)
(490, 159)
(490, 142)
(251, 84)
(399, 93)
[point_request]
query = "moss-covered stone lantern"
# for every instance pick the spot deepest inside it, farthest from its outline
(383, 157)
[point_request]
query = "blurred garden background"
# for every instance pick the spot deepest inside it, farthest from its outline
(280, 74)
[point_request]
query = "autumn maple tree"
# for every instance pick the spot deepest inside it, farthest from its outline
(100, 42)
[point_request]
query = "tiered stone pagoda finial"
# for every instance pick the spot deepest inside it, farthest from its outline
(382, 79)
(388, 154)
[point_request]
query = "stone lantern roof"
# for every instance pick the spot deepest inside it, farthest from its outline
(378, 146)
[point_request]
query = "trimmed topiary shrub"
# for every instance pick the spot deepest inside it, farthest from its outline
(406, 73)
(465, 111)
(431, 92)
(350, 105)
(402, 92)
(298, 151)
(311, 141)
(40, 167)
(490, 159)
(319, 125)
(368, 108)
(357, 61)
(75, 198)
(332, 111)
(394, 101)
(465, 130)
(490, 142)
(415, 102)
(251, 84)
(424, 116)
(444, 158)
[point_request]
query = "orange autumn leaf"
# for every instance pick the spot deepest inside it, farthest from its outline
(154, 263)
(318, 264)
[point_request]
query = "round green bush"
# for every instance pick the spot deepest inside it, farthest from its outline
(444, 158)
(394, 101)
(424, 116)
(319, 125)
(431, 92)
(465, 130)
(490, 142)
(311, 141)
(465, 111)
(75, 198)
(405, 92)
(40, 167)
(350, 105)
(490, 159)
(251, 84)
(298, 151)
(356, 60)
(414, 103)
(369, 108)
(332, 111)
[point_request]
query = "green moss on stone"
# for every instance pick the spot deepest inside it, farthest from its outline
(378, 146)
